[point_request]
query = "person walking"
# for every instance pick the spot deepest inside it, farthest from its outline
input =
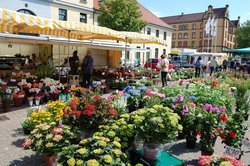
(224, 64)
(213, 65)
(197, 66)
(87, 69)
(164, 69)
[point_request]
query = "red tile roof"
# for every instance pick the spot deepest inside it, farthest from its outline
(185, 18)
(146, 16)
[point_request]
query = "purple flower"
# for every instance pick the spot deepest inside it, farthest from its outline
(208, 107)
(179, 98)
(185, 110)
(215, 109)
(223, 109)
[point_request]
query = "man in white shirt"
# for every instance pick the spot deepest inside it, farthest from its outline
(164, 70)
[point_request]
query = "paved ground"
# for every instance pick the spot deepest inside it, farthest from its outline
(11, 137)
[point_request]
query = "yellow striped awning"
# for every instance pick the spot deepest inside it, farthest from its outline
(15, 22)
(139, 38)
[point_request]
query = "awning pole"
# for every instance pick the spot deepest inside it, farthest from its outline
(125, 62)
(68, 56)
(59, 64)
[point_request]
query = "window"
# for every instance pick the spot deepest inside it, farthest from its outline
(157, 33)
(174, 36)
(185, 43)
(193, 44)
(205, 43)
(165, 36)
(201, 35)
(83, 17)
(127, 54)
(148, 31)
(185, 35)
(63, 14)
(186, 27)
(156, 52)
(164, 51)
(173, 44)
(179, 44)
(174, 27)
(180, 36)
(210, 43)
(194, 26)
(148, 53)
(193, 35)
(138, 54)
(205, 50)
(180, 27)
(26, 11)
(200, 43)
(201, 26)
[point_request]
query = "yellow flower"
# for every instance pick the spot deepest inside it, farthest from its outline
(97, 151)
(117, 144)
(138, 165)
(71, 162)
(117, 152)
(111, 133)
(82, 151)
(102, 144)
(79, 162)
(92, 163)
(180, 127)
(117, 139)
(107, 158)
(49, 145)
(84, 141)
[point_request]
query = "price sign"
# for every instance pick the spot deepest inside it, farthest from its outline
(246, 143)
(232, 152)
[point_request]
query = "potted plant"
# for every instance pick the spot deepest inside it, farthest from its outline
(48, 140)
(155, 126)
(18, 98)
(38, 99)
(30, 100)
(219, 160)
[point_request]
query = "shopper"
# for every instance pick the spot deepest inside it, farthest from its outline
(164, 69)
(213, 65)
(87, 69)
(197, 66)
(224, 64)
(74, 60)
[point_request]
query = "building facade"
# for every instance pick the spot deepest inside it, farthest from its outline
(190, 30)
(155, 27)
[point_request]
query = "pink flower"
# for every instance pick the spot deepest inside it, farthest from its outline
(204, 160)
(27, 143)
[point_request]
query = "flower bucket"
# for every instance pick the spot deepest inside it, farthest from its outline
(37, 102)
(190, 142)
(30, 103)
(151, 151)
(50, 160)
(6, 105)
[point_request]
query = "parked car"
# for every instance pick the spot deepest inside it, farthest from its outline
(154, 63)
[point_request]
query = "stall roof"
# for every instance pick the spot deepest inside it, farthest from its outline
(241, 50)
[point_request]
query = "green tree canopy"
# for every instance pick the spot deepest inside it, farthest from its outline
(121, 15)
(242, 35)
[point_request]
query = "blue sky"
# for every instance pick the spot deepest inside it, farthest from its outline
(163, 8)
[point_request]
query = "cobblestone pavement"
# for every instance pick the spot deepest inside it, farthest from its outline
(11, 137)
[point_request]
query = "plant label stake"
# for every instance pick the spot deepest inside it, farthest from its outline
(232, 152)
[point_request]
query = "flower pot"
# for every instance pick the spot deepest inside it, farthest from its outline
(190, 142)
(31, 103)
(18, 102)
(50, 160)
(26, 131)
(151, 152)
(6, 105)
(37, 102)
(207, 152)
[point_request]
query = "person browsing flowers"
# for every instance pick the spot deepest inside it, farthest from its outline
(164, 69)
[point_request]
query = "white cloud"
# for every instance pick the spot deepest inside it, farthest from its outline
(158, 14)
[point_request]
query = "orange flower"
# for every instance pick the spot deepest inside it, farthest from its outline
(215, 83)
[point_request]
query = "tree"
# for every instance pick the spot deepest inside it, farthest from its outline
(242, 35)
(121, 15)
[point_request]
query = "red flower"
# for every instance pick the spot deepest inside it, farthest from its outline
(180, 82)
(222, 136)
(113, 112)
(88, 112)
(223, 118)
(97, 97)
(232, 134)
(213, 136)
(78, 113)
(215, 83)
(89, 107)
(198, 132)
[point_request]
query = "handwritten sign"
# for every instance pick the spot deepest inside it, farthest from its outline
(232, 152)
(246, 143)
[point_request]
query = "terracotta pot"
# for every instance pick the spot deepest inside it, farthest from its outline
(190, 142)
(50, 160)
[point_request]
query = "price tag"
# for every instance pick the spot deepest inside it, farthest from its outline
(232, 152)
(246, 142)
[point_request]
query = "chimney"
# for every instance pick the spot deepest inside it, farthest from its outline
(227, 5)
